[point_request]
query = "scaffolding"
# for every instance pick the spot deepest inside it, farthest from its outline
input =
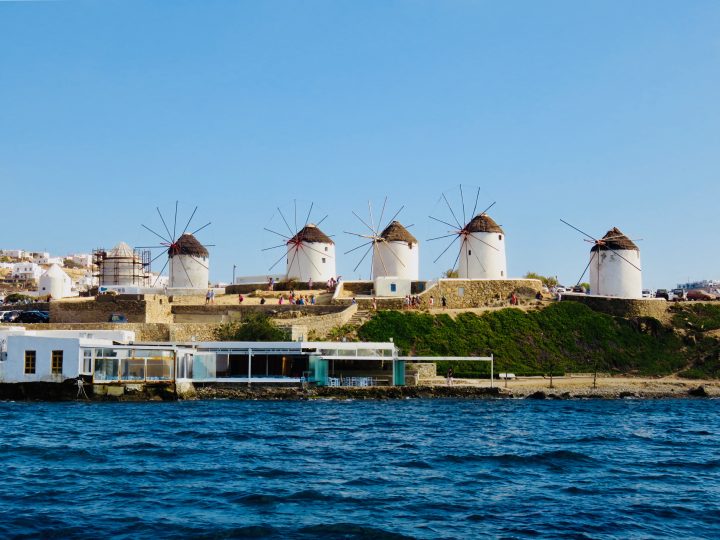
(121, 269)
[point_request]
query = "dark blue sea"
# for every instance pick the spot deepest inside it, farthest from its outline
(361, 469)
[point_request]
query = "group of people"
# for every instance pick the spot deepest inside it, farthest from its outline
(298, 299)
(414, 302)
(210, 296)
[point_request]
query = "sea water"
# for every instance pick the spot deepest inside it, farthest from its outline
(361, 469)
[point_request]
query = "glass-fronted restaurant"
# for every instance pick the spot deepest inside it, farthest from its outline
(321, 363)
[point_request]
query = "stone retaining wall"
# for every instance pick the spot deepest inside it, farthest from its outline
(222, 313)
(628, 308)
(136, 308)
(474, 293)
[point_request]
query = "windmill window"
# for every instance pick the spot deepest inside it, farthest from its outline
(393, 287)
(326, 248)
(502, 272)
(499, 236)
(323, 259)
(469, 251)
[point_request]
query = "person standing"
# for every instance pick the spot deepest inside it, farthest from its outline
(208, 296)
(241, 298)
(450, 375)
(443, 301)
(374, 304)
(431, 302)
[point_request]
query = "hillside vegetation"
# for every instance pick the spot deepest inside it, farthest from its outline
(563, 337)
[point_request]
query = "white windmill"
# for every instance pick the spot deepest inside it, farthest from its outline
(482, 242)
(188, 259)
(309, 252)
(395, 252)
(614, 264)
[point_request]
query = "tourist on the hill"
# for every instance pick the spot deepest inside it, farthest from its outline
(443, 302)
(353, 301)
(208, 296)
(271, 283)
(539, 295)
(374, 304)
(312, 299)
(513, 299)
(431, 302)
(282, 299)
(406, 302)
(450, 375)
(262, 301)
(241, 298)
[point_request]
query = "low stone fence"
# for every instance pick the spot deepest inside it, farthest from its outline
(656, 308)
(223, 313)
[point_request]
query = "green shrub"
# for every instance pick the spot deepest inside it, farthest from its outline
(565, 336)
(254, 327)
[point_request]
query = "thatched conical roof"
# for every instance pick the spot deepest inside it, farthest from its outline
(395, 232)
(187, 244)
(483, 223)
(615, 239)
(311, 234)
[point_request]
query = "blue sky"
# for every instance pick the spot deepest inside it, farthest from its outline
(602, 113)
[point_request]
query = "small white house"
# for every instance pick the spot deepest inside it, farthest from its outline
(27, 271)
(81, 259)
(55, 283)
(12, 253)
(615, 266)
(392, 286)
(51, 356)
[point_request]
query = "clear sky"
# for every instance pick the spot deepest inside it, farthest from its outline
(602, 113)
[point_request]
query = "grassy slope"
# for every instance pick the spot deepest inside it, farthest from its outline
(565, 336)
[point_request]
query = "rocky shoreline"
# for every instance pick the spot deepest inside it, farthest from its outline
(626, 388)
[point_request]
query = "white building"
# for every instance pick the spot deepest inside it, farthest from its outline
(55, 283)
(12, 253)
(615, 266)
(121, 266)
(52, 355)
(189, 264)
(482, 251)
(311, 255)
(81, 259)
(39, 256)
(27, 271)
(46, 260)
(396, 254)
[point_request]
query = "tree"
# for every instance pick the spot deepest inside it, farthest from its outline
(451, 273)
(254, 327)
(547, 281)
(15, 298)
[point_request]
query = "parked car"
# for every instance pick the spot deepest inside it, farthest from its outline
(662, 293)
(33, 317)
(11, 316)
(578, 289)
(678, 295)
(647, 293)
(699, 294)
(560, 289)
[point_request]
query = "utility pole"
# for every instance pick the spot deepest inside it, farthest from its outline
(233, 279)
